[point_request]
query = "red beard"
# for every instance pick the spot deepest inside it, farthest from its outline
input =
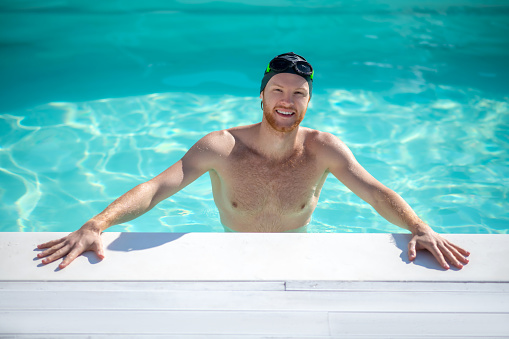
(278, 126)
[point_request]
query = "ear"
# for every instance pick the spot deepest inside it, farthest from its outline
(261, 94)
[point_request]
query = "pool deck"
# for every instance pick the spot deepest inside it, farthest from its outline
(238, 285)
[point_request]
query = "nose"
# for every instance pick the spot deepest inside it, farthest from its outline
(287, 98)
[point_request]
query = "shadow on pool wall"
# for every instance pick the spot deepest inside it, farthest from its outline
(128, 242)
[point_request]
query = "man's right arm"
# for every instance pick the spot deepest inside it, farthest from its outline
(142, 198)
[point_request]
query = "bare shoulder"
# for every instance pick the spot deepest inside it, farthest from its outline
(324, 142)
(328, 148)
(222, 142)
(210, 151)
(217, 142)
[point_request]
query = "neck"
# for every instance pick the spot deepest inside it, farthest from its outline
(275, 144)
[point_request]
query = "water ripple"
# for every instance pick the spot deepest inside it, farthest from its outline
(62, 162)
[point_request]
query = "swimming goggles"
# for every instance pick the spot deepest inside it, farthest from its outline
(303, 68)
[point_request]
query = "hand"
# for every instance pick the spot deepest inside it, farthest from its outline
(71, 246)
(441, 249)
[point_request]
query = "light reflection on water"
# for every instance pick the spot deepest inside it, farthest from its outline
(64, 162)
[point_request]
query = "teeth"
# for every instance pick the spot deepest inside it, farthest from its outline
(285, 113)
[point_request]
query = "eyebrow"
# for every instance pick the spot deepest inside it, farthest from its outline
(298, 88)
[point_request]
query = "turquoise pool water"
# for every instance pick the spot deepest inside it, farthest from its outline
(97, 98)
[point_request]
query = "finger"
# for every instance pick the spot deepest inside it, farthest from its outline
(52, 250)
(70, 257)
(459, 249)
(457, 254)
(57, 255)
(51, 243)
(411, 250)
(98, 249)
(439, 256)
(449, 255)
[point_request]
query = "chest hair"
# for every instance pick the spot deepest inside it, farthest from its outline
(257, 183)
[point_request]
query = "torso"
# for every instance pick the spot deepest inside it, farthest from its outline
(256, 194)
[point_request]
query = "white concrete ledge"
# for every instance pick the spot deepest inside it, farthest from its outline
(237, 285)
(254, 257)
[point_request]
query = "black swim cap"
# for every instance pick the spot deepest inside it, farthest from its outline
(289, 63)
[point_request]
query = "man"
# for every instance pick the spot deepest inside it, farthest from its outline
(265, 177)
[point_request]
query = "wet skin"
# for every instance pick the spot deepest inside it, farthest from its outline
(265, 177)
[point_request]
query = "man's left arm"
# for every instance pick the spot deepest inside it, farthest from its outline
(343, 165)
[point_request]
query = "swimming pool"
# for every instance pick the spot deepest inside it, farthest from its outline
(97, 98)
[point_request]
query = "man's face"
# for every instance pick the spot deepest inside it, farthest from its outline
(285, 101)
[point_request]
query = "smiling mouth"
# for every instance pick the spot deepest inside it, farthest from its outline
(285, 113)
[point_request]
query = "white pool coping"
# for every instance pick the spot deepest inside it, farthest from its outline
(246, 285)
(254, 257)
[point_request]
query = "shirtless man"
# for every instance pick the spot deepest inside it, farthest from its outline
(265, 177)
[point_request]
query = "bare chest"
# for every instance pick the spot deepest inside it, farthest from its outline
(252, 184)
